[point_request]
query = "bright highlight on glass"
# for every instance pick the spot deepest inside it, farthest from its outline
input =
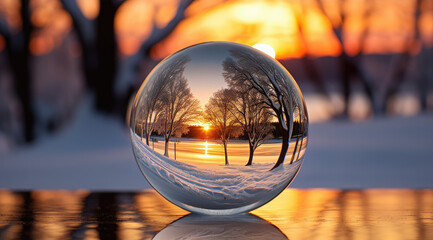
(265, 48)
(219, 128)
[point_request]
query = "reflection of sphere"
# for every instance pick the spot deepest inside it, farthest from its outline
(245, 226)
(219, 128)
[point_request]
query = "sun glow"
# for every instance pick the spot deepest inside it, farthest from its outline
(265, 48)
(206, 127)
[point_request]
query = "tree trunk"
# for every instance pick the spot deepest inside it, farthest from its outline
(86, 33)
(345, 81)
(397, 77)
(167, 141)
(401, 68)
(313, 74)
(225, 153)
(284, 148)
(20, 70)
(423, 83)
(19, 55)
(89, 64)
(250, 159)
(146, 131)
(107, 56)
(294, 150)
(300, 148)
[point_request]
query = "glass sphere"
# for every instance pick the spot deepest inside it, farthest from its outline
(219, 128)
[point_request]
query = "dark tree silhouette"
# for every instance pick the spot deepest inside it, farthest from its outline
(218, 112)
(178, 109)
(350, 67)
(261, 74)
(300, 131)
(17, 47)
(401, 66)
(252, 114)
(111, 81)
(307, 61)
(99, 49)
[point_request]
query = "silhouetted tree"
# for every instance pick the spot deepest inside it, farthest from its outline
(178, 108)
(264, 76)
(127, 69)
(350, 67)
(218, 112)
(307, 61)
(99, 48)
(401, 66)
(17, 48)
(252, 114)
(300, 131)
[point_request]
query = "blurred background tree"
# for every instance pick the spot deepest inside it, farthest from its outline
(353, 59)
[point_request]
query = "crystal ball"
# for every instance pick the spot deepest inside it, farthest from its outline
(219, 128)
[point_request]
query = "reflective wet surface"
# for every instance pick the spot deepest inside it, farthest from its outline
(295, 214)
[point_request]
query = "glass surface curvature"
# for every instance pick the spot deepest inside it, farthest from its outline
(219, 128)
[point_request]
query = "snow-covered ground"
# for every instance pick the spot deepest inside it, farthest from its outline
(211, 186)
(95, 153)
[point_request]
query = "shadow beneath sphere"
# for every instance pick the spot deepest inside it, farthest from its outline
(243, 226)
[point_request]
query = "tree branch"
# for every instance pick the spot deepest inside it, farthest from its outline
(84, 26)
(158, 34)
(127, 70)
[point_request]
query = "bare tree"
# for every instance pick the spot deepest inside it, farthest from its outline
(153, 97)
(17, 47)
(300, 130)
(128, 68)
(252, 114)
(350, 67)
(111, 81)
(267, 78)
(307, 60)
(99, 49)
(401, 66)
(178, 108)
(218, 112)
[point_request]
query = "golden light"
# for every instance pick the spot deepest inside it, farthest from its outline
(205, 127)
(205, 147)
(265, 48)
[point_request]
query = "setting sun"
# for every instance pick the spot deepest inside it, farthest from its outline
(265, 48)
(206, 127)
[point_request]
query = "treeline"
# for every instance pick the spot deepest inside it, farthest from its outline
(198, 132)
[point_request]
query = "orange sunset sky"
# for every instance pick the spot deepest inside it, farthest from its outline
(275, 23)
